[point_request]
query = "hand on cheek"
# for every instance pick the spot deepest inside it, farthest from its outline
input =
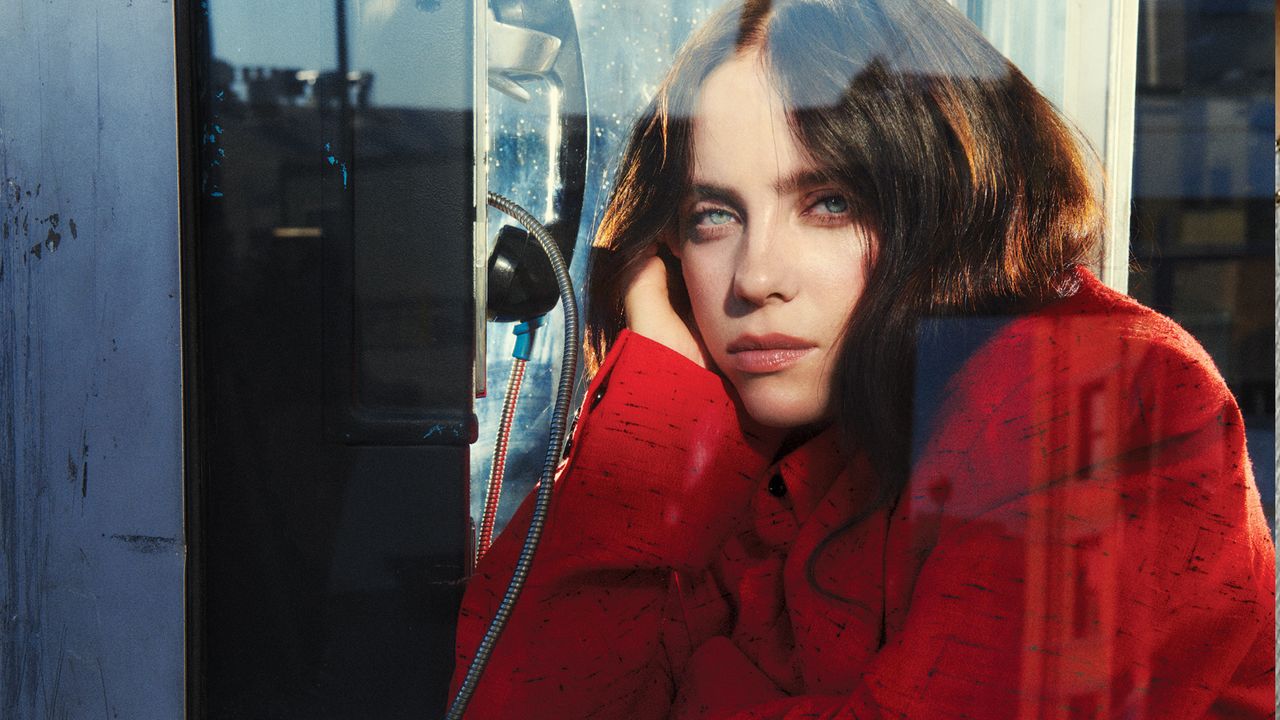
(651, 313)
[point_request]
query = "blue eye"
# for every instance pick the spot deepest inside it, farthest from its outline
(710, 222)
(717, 217)
(835, 205)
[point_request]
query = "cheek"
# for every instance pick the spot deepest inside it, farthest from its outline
(838, 272)
(846, 289)
(706, 285)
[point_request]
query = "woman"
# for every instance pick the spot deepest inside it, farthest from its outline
(865, 439)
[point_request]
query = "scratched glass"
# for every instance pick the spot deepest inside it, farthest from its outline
(334, 276)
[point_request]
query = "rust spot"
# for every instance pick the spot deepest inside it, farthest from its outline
(72, 224)
(36, 250)
(54, 219)
(53, 240)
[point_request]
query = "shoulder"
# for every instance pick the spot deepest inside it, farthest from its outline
(1087, 383)
(1097, 348)
(1114, 330)
(1095, 328)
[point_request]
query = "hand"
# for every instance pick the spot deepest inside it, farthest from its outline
(650, 312)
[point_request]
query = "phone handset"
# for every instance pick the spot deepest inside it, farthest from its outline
(536, 41)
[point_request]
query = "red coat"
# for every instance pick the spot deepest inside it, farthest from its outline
(1081, 537)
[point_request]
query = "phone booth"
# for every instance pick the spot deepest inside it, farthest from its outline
(259, 325)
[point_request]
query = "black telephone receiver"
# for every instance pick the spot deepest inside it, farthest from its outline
(538, 42)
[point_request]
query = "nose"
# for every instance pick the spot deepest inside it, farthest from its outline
(765, 272)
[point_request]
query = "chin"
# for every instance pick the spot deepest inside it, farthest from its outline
(780, 410)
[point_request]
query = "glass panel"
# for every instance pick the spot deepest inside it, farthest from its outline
(1033, 35)
(1050, 452)
(1203, 235)
(335, 341)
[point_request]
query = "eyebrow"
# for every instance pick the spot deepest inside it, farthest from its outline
(791, 183)
(801, 180)
(708, 191)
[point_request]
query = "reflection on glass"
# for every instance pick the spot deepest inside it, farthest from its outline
(335, 340)
(1203, 226)
(872, 440)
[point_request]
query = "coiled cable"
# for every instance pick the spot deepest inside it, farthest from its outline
(559, 415)
(493, 493)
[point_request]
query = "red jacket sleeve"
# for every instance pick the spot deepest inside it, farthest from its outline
(659, 471)
(1104, 553)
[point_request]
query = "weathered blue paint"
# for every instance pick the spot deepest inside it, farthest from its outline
(91, 536)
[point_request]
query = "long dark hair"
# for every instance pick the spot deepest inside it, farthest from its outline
(979, 194)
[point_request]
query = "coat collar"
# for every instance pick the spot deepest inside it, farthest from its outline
(810, 470)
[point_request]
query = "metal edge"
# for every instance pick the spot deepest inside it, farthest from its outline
(480, 166)
(187, 42)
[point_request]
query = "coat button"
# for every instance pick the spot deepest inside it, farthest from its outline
(777, 487)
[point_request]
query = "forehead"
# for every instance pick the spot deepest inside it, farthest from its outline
(741, 135)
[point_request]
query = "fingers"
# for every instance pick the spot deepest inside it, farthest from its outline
(647, 292)
(649, 311)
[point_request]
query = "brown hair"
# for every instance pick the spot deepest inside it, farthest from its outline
(978, 194)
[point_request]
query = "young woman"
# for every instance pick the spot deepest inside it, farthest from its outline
(865, 438)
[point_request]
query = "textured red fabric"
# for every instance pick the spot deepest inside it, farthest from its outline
(1081, 537)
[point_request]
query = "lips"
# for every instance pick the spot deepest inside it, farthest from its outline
(767, 353)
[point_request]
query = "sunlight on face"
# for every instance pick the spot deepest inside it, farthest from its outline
(772, 254)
